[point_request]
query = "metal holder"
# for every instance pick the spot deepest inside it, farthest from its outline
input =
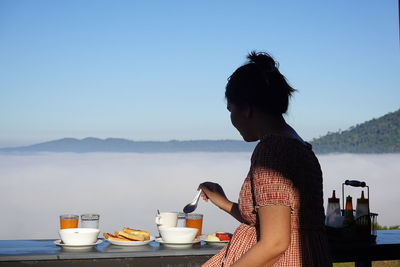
(364, 227)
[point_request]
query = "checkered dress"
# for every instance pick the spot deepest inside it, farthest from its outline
(285, 172)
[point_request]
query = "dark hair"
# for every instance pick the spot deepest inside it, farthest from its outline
(259, 83)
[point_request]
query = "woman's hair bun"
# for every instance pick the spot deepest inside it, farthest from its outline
(263, 60)
(259, 83)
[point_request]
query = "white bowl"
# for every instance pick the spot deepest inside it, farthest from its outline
(178, 235)
(79, 236)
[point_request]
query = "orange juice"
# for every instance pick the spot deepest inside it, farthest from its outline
(69, 221)
(195, 221)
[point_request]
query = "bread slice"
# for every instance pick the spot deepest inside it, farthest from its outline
(144, 234)
(131, 237)
(112, 237)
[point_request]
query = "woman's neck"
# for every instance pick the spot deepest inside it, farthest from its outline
(274, 125)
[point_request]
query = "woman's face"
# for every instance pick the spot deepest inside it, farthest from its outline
(239, 119)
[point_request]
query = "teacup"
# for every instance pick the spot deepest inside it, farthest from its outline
(167, 219)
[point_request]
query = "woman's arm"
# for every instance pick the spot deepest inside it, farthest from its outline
(215, 193)
(274, 237)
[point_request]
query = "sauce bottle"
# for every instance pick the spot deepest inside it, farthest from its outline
(348, 212)
(363, 219)
(362, 207)
(333, 217)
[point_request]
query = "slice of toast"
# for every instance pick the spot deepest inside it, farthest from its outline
(112, 237)
(131, 237)
(146, 235)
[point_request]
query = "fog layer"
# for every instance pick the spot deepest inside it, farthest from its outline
(127, 189)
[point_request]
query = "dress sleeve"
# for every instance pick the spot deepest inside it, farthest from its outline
(272, 188)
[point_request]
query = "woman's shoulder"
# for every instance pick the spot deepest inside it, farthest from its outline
(281, 143)
(284, 140)
(280, 149)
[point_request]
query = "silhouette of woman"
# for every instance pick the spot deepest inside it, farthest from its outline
(280, 205)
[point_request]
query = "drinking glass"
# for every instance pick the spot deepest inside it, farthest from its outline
(181, 220)
(69, 221)
(195, 220)
(90, 220)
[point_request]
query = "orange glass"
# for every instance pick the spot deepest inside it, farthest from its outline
(69, 221)
(195, 221)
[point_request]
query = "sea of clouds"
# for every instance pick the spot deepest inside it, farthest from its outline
(126, 189)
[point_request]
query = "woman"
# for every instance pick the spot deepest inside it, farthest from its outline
(280, 205)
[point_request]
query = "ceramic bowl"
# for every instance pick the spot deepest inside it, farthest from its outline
(79, 236)
(178, 235)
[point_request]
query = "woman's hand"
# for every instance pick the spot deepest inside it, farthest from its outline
(215, 193)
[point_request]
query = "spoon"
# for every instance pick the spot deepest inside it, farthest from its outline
(192, 205)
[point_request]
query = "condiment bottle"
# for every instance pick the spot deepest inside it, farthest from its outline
(348, 212)
(362, 207)
(333, 217)
(363, 219)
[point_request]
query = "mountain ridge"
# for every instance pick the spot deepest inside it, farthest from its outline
(380, 135)
(93, 144)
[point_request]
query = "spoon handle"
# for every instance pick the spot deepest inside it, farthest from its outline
(196, 198)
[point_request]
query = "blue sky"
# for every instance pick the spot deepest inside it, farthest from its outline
(156, 70)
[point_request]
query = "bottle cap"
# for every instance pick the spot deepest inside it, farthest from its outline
(333, 199)
(362, 199)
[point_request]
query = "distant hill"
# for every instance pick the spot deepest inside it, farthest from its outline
(381, 135)
(91, 144)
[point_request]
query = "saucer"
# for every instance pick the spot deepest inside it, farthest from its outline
(216, 243)
(60, 243)
(177, 245)
(130, 243)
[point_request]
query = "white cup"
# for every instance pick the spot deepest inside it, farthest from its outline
(167, 219)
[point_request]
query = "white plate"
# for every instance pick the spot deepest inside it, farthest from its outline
(60, 243)
(216, 242)
(131, 243)
(159, 240)
(211, 242)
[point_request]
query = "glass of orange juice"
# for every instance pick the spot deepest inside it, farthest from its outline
(195, 220)
(69, 221)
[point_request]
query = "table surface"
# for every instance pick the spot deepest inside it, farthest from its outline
(18, 250)
(25, 250)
